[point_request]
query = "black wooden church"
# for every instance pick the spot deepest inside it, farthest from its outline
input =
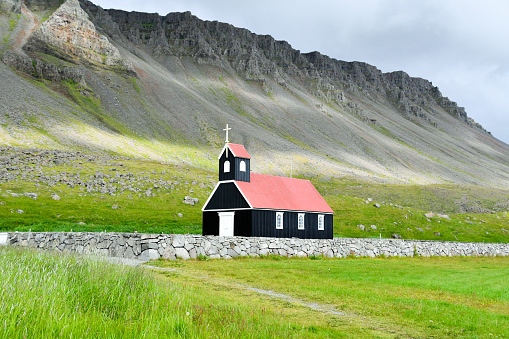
(257, 205)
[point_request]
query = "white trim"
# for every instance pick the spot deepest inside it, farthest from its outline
(230, 209)
(303, 215)
(321, 216)
(226, 209)
(245, 198)
(222, 151)
(280, 214)
(263, 209)
(242, 166)
(3, 238)
(210, 196)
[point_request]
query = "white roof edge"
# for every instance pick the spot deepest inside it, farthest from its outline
(245, 198)
(210, 196)
(215, 189)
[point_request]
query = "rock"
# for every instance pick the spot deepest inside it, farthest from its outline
(373, 227)
(429, 215)
(180, 215)
(190, 201)
(419, 229)
(181, 253)
(377, 205)
(437, 233)
(362, 227)
(20, 211)
(31, 195)
(443, 216)
(396, 236)
(115, 207)
(55, 197)
(70, 30)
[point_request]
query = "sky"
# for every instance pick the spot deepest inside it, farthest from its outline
(461, 46)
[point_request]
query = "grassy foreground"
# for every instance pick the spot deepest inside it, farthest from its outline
(48, 296)
(45, 295)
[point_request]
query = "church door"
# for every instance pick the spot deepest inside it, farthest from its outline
(226, 224)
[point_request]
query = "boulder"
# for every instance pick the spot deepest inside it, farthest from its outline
(190, 201)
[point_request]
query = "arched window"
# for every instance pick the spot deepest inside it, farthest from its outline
(226, 166)
(242, 166)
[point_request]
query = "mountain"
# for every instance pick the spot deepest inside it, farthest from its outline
(76, 76)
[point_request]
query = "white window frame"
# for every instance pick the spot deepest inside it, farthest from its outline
(242, 166)
(321, 222)
(226, 166)
(299, 225)
(281, 215)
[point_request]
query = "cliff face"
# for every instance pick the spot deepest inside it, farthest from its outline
(257, 57)
(163, 86)
(69, 31)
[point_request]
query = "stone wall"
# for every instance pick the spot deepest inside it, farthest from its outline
(172, 246)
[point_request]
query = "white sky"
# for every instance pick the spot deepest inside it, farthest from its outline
(462, 46)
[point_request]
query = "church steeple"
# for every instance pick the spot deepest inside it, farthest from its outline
(234, 161)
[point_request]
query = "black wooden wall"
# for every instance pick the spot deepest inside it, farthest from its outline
(241, 228)
(264, 225)
(227, 196)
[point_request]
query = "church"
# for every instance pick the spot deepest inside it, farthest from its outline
(258, 205)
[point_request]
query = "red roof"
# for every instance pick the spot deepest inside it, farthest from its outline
(237, 150)
(282, 193)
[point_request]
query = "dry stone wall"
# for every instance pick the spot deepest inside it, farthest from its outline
(179, 246)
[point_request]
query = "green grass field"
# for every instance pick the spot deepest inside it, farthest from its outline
(402, 206)
(49, 295)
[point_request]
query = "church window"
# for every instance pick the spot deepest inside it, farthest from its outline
(242, 166)
(301, 221)
(226, 166)
(279, 220)
(320, 222)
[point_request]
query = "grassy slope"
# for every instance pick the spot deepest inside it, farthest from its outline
(53, 295)
(160, 213)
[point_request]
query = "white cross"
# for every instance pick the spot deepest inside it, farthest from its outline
(226, 129)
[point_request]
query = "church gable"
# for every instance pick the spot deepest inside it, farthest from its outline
(226, 196)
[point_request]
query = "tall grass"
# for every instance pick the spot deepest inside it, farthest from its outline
(44, 295)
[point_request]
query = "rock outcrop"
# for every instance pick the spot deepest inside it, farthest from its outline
(69, 34)
(44, 70)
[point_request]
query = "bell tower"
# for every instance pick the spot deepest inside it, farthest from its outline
(234, 161)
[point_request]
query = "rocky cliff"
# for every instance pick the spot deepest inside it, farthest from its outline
(257, 57)
(163, 87)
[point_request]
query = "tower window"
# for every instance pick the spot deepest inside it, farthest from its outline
(226, 166)
(300, 225)
(242, 166)
(279, 220)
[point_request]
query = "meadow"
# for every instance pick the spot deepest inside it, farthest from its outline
(51, 295)
(130, 195)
